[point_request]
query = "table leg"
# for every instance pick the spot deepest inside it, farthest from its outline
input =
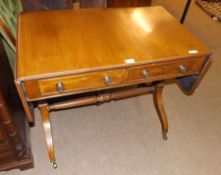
(160, 109)
(48, 132)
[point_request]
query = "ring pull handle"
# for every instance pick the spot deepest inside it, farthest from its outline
(59, 87)
(182, 68)
(145, 73)
(107, 80)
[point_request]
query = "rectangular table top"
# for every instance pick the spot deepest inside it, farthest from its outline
(73, 41)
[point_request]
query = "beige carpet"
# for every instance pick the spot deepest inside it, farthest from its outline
(124, 138)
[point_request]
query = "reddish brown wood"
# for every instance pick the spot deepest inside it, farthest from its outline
(26, 105)
(114, 48)
(96, 28)
(48, 132)
(73, 84)
(7, 31)
(14, 144)
(113, 3)
(101, 98)
(10, 127)
(39, 5)
(128, 3)
(158, 101)
(93, 3)
(190, 83)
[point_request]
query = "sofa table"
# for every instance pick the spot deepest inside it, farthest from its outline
(72, 58)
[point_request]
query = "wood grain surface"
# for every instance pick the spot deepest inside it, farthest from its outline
(71, 41)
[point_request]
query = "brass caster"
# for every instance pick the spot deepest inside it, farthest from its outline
(164, 136)
(54, 165)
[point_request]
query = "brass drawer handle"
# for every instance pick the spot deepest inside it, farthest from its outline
(107, 80)
(59, 87)
(182, 68)
(145, 73)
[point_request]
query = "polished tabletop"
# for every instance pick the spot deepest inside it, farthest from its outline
(73, 41)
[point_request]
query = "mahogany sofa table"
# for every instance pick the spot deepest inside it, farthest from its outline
(98, 55)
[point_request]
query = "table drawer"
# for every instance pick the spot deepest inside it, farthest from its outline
(48, 87)
(73, 83)
(140, 73)
(182, 67)
(172, 69)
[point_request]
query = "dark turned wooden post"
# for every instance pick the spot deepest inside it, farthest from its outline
(14, 142)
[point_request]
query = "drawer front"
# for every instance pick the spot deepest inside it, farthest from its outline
(73, 83)
(183, 67)
(140, 73)
(165, 70)
(44, 88)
